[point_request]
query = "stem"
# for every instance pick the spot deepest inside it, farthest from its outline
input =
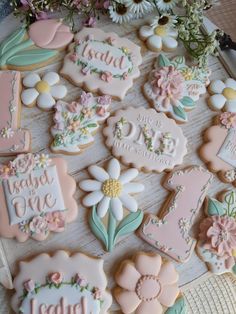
(25, 44)
(111, 230)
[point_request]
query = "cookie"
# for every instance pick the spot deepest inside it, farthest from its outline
(36, 195)
(110, 192)
(217, 234)
(160, 34)
(13, 139)
(61, 283)
(77, 122)
(34, 48)
(219, 148)
(42, 91)
(102, 62)
(173, 87)
(147, 284)
(145, 139)
(170, 232)
(223, 95)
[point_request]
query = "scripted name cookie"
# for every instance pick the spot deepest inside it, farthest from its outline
(61, 284)
(77, 122)
(34, 48)
(170, 232)
(36, 195)
(217, 234)
(145, 139)
(102, 62)
(219, 148)
(173, 87)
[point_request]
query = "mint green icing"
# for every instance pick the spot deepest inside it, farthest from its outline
(15, 49)
(14, 39)
(187, 102)
(97, 227)
(163, 61)
(178, 308)
(215, 208)
(234, 269)
(111, 230)
(179, 112)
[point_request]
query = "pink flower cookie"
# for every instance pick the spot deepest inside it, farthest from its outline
(50, 284)
(217, 234)
(219, 148)
(36, 195)
(170, 232)
(173, 87)
(145, 139)
(102, 62)
(147, 285)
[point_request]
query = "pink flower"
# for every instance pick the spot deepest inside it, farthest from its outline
(104, 100)
(85, 70)
(90, 22)
(38, 225)
(125, 76)
(218, 234)
(110, 40)
(101, 111)
(56, 221)
(24, 3)
(55, 278)
(7, 170)
(74, 107)
(74, 57)
(106, 76)
(41, 16)
(106, 4)
(97, 293)
(228, 119)
(86, 98)
(24, 163)
(29, 285)
(146, 284)
(80, 280)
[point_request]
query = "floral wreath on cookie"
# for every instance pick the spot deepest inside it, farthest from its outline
(217, 237)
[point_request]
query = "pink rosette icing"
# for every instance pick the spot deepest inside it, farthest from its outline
(29, 285)
(24, 163)
(228, 120)
(38, 225)
(55, 278)
(56, 221)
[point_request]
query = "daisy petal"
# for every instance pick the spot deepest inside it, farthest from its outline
(128, 175)
(133, 187)
(152, 306)
(148, 264)
(31, 80)
(169, 42)
(145, 32)
(216, 87)
(90, 185)
(230, 83)
(173, 33)
(114, 169)
(154, 43)
(51, 78)
(117, 208)
(92, 198)
(168, 295)
(58, 91)
(217, 101)
(168, 275)
(129, 202)
(29, 96)
(103, 206)
(45, 101)
(98, 173)
(128, 300)
(230, 105)
(127, 276)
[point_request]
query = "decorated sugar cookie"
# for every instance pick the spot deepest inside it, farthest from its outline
(147, 285)
(173, 87)
(13, 139)
(219, 148)
(145, 139)
(110, 194)
(77, 122)
(223, 95)
(160, 34)
(102, 62)
(61, 283)
(43, 92)
(36, 195)
(34, 48)
(217, 235)
(170, 231)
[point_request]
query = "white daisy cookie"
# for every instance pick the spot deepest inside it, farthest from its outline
(42, 91)
(139, 8)
(160, 34)
(223, 95)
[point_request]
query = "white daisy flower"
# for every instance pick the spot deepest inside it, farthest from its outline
(166, 5)
(111, 189)
(43, 91)
(223, 95)
(120, 13)
(7, 133)
(139, 7)
(42, 160)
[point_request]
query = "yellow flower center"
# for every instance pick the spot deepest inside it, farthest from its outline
(42, 87)
(112, 188)
(229, 93)
(160, 31)
(234, 253)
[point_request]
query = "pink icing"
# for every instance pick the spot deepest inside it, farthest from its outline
(228, 120)
(55, 278)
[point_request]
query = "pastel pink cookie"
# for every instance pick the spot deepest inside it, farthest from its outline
(147, 284)
(36, 195)
(170, 232)
(102, 62)
(145, 139)
(61, 283)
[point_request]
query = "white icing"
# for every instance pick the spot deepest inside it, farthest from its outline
(216, 86)
(45, 101)
(31, 80)
(29, 96)
(217, 101)
(227, 151)
(52, 78)
(24, 202)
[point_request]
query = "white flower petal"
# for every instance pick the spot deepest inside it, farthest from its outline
(133, 187)
(31, 80)
(51, 78)
(45, 101)
(154, 43)
(145, 32)
(128, 175)
(173, 33)
(113, 169)
(216, 87)
(129, 202)
(169, 42)
(90, 185)
(103, 206)
(92, 198)
(98, 173)
(230, 105)
(29, 96)
(217, 101)
(117, 208)
(58, 91)
(230, 83)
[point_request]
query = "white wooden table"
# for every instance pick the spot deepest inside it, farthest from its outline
(78, 236)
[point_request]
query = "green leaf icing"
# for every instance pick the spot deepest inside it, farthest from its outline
(215, 208)
(179, 112)
(178, 308)
(28, 57)
(14, 39)
(230, 204)
(234, 269)
(187, 102)
(163, 61)
(97, 227)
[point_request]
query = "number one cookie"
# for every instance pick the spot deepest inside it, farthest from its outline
(12, 139)
(170, 232)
